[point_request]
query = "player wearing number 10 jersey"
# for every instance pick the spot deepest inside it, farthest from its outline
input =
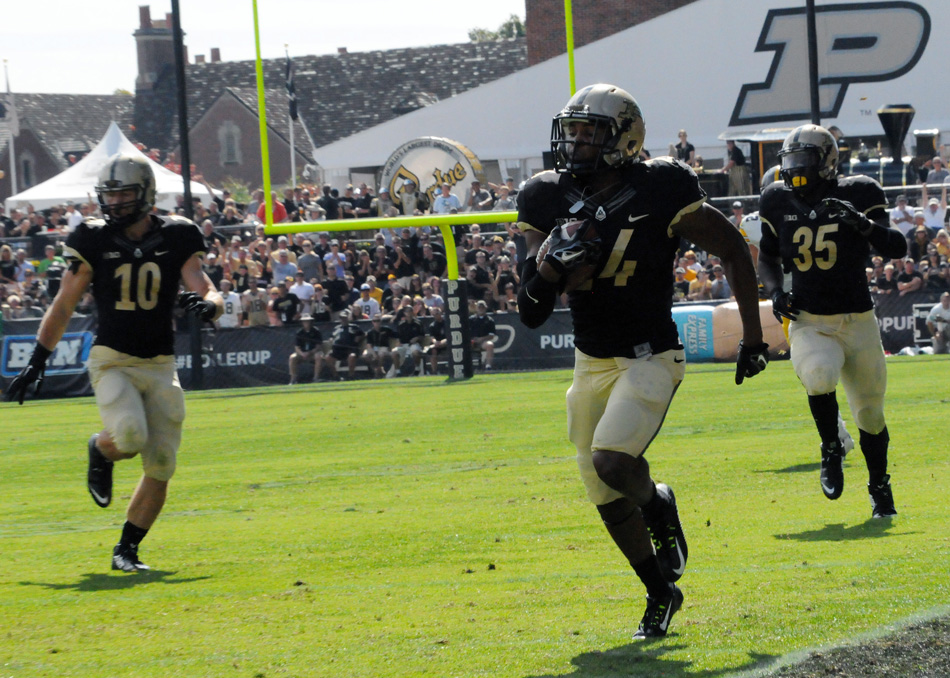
(134, 261)
(820, 228)
(604, 227)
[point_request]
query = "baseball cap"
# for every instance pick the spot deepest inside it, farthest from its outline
(737, 204)
(382, 189)
(306, 316)
(364, 286)
(680, 269)
(391, 277)
(902, 198)
(409, 182)
(235, 238)
(933, 201)
(937, 158)
(344, 314)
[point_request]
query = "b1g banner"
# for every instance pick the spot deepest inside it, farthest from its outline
(65, 370)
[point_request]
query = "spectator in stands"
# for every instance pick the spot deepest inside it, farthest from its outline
(411, 200)
(939, 173)
(284, 269)
(320, 305)
(938, 324)
(368, 306)
(23, 265)
(73, 217)
(909, 280)
(684, 150)
(936, 279)
(377, 353)
(410, 332)
(700, 289)
(402, 264)
(254, 303)
(479, 199)
(304, 291)
(431, 299)
(328, 203)
(285, 304)
(257, 199)
(279, 210)
(935, 211)
(902, 217)
(362, 270)
(504, 202)
(482, 329)
(719, 285)
(346, 345)
(381, 205)
(347, 203)
(436, 339)
(885, 283)
(942, 242)
(680, 284)
(308, 348)
(335, 259)
(7, 225)
(446, 201)
(740, 182)
(433, 263)
(505, 275)
(213, 269)
(478, 279)
(737, 213)
(917, 246)
(337, 291)
(233, 307)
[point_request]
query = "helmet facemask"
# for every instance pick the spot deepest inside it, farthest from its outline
(122, 214)
(571, 155)
(809, 161)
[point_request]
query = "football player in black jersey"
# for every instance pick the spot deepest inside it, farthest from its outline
(605, 227)
(820, 228)
(134, 261)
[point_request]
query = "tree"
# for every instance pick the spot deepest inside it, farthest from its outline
(512, 28)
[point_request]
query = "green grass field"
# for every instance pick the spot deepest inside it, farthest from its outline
(410, 528)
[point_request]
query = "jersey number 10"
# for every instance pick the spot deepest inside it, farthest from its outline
(148, 282)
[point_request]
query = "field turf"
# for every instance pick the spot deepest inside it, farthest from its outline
(416, 528)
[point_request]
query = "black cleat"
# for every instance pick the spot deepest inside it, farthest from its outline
(667, 534)
(99, 476)
(656, 619)
(832, 477)
(126, 558)
(882, 499)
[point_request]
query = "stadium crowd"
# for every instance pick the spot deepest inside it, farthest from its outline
(391, 274)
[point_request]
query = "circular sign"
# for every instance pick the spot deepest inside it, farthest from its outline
(429, 162)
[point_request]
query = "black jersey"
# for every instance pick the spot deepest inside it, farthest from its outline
(135, 283)
(625, 310)
(307, 340)
(826, 258)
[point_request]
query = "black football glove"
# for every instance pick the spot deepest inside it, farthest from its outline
(783, 305)
(846, 213)
(35, 371)
(194, 304)
(566, 255)
(751, 360)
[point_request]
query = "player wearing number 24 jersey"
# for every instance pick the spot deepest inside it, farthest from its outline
(604, 227)
(133, 260)
(820, 228)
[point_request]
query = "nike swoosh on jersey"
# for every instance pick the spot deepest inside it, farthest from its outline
(679, 360)
(158, 254)
(632, 218)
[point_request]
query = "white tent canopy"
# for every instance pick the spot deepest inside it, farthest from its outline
(77, 183)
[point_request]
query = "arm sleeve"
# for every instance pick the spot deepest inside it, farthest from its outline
(889, 242)
(536, 297)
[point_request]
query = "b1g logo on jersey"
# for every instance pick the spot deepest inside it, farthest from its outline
(857, 42)
(69, 357)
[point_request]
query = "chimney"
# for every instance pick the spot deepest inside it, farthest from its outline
(215, 55)
(154, 47)
(341, 50)
(199, 58)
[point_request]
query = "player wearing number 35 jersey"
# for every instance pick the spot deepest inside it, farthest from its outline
(604, 227)
(819, 228)
(133, 260)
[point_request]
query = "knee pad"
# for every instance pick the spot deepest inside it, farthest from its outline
(819, 379)
(870, 418)
(130, 434)
(617, 512)
(159, 464)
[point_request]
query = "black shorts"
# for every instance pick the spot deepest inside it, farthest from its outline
(342, 352)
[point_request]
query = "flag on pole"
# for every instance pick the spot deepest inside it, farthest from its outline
(291, 91)
(8, 106)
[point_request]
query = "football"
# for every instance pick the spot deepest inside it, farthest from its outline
(561, 237)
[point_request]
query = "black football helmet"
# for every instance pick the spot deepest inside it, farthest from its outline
(125, 172)
(618, 130)
(809, 159)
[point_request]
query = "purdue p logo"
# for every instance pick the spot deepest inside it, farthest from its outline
(858, 42)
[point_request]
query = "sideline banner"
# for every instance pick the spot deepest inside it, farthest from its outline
(257, 356)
